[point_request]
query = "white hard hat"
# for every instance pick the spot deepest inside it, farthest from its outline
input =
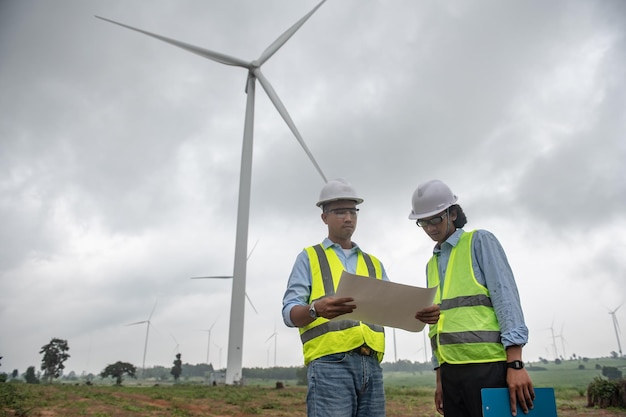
(430, 198)
(338, 189)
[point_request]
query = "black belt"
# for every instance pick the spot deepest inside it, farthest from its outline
(364, 350)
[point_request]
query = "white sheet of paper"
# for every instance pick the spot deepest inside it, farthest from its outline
(383, 302)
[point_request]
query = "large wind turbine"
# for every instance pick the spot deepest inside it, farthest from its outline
(237, 306)
(616, 327)
(145, 346)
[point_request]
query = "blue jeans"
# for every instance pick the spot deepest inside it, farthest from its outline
(345, 385)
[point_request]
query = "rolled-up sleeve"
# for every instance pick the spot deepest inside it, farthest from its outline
(492, 269)
(298, 287)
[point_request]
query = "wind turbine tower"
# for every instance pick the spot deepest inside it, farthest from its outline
(208, 346)
(237, 306)
(274, 335)
(556, 353)
(145, 347)
(617, 330)
(560, 335)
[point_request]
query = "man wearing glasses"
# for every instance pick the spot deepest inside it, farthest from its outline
(477, 342)
(343, 357)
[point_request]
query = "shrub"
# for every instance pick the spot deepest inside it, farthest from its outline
(603, 393)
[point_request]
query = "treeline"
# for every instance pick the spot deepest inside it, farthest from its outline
(279, 373)
(203, 371)
(404, 365)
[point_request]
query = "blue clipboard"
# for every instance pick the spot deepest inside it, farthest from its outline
(496, 403)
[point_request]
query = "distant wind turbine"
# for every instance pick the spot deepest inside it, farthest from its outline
(274, 335)
(556, 353)
(220, 348)
(560, 336)
(145, 347)
(237, 306)
(230, 277)
(177, 344)
(208, 346)
(617, 329)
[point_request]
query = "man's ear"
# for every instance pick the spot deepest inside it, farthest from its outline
(324, 216)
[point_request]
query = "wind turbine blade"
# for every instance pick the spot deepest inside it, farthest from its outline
(252, 250)
(138, 322)
(213, 325)
(215, 277)
(280, 41)
(152, 312)
(176, 342)
(206, 53)
(250, 301)
(285, 115)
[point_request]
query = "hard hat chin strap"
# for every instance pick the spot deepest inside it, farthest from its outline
(448, 221)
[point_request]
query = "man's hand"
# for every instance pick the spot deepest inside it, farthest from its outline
(428, 315)
(439, 394)
(520, 390)
(331, 307)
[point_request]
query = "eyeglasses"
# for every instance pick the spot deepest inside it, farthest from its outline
(343, 212)
(431, 222)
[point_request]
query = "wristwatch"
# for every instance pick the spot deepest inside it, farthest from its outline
(515, 365)
(312, 311)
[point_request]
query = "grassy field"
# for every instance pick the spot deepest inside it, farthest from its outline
(408, 394)
(62, 400)
(565, 376)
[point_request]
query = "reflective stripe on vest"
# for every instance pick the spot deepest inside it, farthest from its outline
(467, 330)
(323, 337)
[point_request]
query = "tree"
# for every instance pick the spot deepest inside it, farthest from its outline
(118, 370)
(30, 376)
(612, 373)
(54, 354)
(177, 369)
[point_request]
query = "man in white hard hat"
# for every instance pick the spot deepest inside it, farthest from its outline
(343, 357)
(477, 342)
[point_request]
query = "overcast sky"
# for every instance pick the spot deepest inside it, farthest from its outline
(120, 158)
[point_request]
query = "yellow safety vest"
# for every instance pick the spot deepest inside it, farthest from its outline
(323, 337)
(468, 329)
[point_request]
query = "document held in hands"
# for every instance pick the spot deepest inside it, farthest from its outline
(383, 302)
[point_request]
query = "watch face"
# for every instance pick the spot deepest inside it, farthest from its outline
(312, 311)
(516, 364)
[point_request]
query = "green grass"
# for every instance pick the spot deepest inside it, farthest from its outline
(563, 377)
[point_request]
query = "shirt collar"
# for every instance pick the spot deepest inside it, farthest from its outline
(452, 241)
(327, 243)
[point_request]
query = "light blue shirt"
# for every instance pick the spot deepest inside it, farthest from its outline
(299, 284)
(493, 271)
